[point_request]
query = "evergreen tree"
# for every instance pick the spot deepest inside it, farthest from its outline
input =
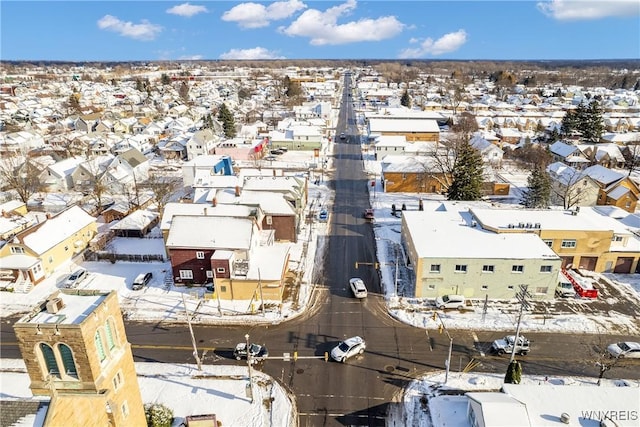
(592, 124)
(406, 99)
(467, 175)
(538, 190)
(165, 79)
(228, 123)
(514, 373)
(139, 85)
(292, 89)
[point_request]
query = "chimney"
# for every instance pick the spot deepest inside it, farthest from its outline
(48, 215)
(214, 202)
(205, 211)
(237, 191)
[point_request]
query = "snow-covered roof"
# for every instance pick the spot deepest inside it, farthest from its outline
(446, 230)
(137, 220)
(583, 404)
(500, 409)
(403, 125)
(57, 229)
(603, 175)
(210, 232)
(202, 209)
(588, 219)
(75, 310)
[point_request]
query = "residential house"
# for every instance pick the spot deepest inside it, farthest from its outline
(571, 187)
(568, 154)
(201, 143)
(75, 349)
(417, 174)
(13, 219)
(451, 253)
(292, 188)
(20, 142)
(208, 164)
(58, 176)
(491, 154)
(616, 188)
(411, 129)
(174, 148)
(137, 224)
(242, 261)
(604, 154)
(37, 251)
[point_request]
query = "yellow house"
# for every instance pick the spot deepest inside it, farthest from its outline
(38, 251)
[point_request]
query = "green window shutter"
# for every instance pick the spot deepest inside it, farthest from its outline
(67, 360)
(99, 347)
(49, 359)
(110, 340)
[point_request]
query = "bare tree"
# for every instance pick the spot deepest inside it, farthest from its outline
(91, 181)
(631, 153)
(163, 188)
(566, 188)
(21, 174)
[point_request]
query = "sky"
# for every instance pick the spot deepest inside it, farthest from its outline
(143, 30)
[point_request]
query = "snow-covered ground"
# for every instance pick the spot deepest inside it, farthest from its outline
(159, 301)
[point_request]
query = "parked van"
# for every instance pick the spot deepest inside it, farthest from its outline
(451, 301)
(565, 290)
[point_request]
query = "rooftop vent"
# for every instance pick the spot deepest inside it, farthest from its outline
(54, 305)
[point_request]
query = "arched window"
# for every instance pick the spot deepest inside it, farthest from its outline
(99, 347)
(49, 360)
(67, 360)
(110, 332)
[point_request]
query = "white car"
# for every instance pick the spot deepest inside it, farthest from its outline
(357, 287)
(628, 349)
(75, 278)
(348, 348)
(450, 301)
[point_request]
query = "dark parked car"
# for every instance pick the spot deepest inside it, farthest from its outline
(257, 351)
(277, 152)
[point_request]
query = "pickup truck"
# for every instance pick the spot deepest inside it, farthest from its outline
(505, 345)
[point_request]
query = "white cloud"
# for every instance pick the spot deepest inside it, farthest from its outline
(323, 28)
(187, 10)
(191, 57)
(143, 31)
(254, 53)
(256, 15)
(566, 10)
(445, 44)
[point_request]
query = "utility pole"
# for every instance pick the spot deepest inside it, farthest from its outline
(250, 385)
(521, 296)
(442, 328)
(193, 338)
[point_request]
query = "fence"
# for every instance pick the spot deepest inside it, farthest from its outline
(107, 256)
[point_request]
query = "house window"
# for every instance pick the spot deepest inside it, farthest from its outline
(431, 287)
(97, 339)
(117, 380)
(186, 274)
(67, 360)
(209, 274)
(484, 287)
(461, 268)
(510, 287)
(17, 250)
(50, 361)
(545, 269)
(488, 268)
(125, 409)
(269, 220)
(548, 242)
(542, 290)
(617, 238)
(111, 343)
(50, 259)
(199, 255)
(220, 270)
(517, 268)
(435, 268)
(568, 244)
(66, 248)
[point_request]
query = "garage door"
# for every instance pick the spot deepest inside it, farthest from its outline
(623, 265)
(588, 262)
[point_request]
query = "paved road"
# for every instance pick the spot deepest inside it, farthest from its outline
(360, 391)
